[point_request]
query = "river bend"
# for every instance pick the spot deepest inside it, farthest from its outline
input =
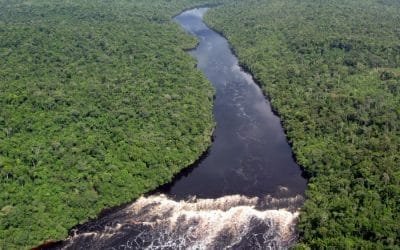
(244, 194)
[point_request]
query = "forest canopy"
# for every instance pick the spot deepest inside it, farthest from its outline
(99, 103)
(332, 70)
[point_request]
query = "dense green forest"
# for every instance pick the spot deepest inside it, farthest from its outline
(99, 103)
(332, 70)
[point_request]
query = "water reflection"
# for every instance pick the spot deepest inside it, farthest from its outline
(250, 154)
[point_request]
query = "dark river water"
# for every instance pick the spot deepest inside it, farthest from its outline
(244, 194)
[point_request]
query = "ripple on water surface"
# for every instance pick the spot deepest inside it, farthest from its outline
(249, 163)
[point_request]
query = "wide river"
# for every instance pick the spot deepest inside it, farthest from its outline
(244, 194)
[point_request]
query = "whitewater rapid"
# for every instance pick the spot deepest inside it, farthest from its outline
(230, 222)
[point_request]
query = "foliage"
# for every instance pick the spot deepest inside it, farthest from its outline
(332, 71)
(99, 103)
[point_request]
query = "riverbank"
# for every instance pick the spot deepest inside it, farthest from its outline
(94, 116)
(327, 79)
(249, 174)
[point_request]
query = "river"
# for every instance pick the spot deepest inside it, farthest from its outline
(245, 193)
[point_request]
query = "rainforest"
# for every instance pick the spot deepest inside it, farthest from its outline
(100, 103)
(332, 71)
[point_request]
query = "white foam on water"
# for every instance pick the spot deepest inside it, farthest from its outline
(198, 224)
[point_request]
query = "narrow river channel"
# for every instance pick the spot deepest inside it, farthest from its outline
(244, 194)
